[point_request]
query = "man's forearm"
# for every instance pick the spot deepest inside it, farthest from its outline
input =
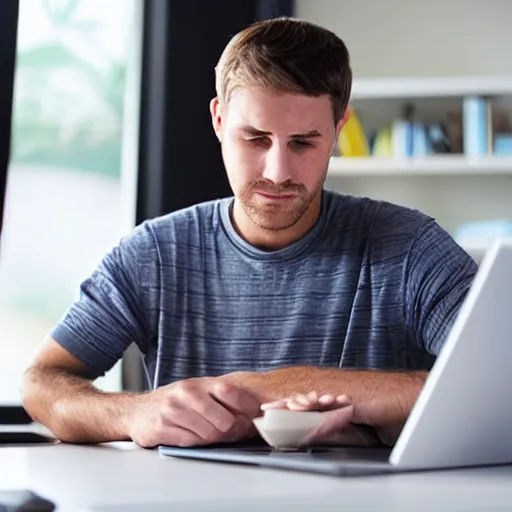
(73, 409)
(382, 399)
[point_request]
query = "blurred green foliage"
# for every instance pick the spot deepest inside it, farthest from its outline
(68, 109)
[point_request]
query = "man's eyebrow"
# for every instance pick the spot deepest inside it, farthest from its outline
(250, 130)
(307, 135)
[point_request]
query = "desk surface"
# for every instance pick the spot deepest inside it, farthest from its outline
(87, 478)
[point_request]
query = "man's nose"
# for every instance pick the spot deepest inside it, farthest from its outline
(277, 165)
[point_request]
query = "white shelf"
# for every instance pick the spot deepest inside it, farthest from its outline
(429, 166)
(423, 87)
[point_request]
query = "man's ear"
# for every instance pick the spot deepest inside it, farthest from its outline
(342, 122)
(215, 111)
(339, 126)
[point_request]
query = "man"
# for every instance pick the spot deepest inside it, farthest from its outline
(286, 293)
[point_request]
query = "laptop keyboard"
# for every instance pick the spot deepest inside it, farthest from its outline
(332, 453)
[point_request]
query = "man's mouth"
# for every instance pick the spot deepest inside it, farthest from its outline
(275, 197)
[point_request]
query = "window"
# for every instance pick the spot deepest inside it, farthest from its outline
(71, 181)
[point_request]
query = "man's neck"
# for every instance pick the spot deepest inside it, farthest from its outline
(273, 240)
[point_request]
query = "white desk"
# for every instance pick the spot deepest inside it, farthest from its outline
(78, 478)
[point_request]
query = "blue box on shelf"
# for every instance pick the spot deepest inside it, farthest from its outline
(503, 144)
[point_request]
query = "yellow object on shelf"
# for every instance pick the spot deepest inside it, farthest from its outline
(352, 139)
(383, 145)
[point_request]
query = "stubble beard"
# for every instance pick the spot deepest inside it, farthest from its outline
(277, 216)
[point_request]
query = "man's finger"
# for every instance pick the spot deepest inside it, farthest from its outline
(243, 428)
(312, 396)
(213, 411)
(276, 404)
(235, 399)
(301, 403)
(343, 400)
(177, 436)
(191, 420)
(326, 400)
(335, 421)
(305, 400)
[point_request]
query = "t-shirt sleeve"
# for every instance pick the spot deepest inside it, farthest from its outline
(438, 276)
(109, 314)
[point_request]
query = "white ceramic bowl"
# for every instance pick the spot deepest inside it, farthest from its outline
(282, 428)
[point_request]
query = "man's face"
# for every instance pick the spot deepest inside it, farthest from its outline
(276, 149)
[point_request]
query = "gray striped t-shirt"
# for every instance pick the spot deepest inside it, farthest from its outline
(371, 285)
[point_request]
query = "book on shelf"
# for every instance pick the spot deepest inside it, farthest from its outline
(477, 126)
(352, 139)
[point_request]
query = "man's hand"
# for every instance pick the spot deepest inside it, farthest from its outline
(194, 412)
(383, 399)
(337, 427)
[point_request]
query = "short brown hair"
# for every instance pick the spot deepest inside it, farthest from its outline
(287, 55)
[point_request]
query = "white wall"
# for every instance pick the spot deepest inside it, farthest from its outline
(451, 200)
(391, 38)
(419, 37)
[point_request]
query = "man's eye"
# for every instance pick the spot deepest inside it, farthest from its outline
(257, 140)
(302, 143)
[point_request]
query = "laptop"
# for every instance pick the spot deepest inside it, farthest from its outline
(462, 416)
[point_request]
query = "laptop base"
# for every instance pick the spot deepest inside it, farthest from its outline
(336, 461)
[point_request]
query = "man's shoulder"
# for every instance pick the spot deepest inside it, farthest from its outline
(381, 231)
(186, 226)
(200, 217)
(366, 213)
